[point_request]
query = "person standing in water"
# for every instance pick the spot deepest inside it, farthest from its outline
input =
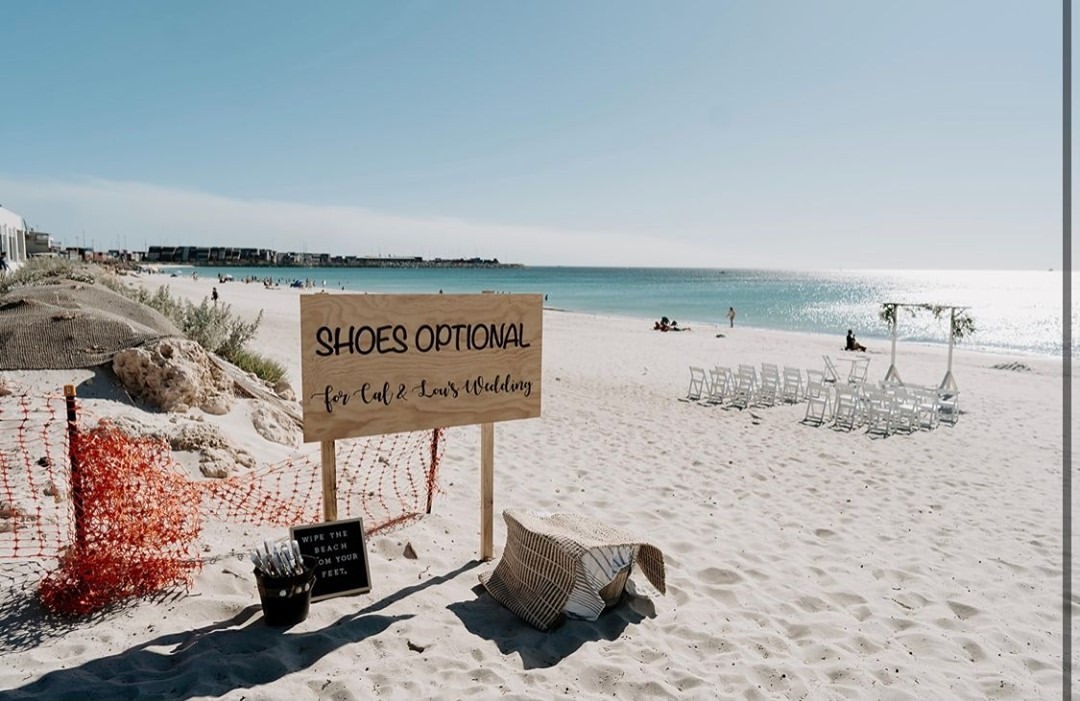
(731, 316)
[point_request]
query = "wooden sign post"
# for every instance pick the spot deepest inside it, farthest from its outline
(487, 491)
(374, 364)
(329, 480)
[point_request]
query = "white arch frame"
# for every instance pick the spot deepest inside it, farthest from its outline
(948, 383)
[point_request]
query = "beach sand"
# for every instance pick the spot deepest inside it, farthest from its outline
(802, 562)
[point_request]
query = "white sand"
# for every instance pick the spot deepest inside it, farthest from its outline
(802, 562)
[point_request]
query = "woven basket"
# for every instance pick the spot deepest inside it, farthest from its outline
(542, 567)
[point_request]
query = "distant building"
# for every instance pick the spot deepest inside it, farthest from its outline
(39, 243)
(254, 257)
(12, 236)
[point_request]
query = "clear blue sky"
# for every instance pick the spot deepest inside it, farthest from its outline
(799, 134)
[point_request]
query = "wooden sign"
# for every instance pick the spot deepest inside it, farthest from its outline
(375, 364)
(343, 564)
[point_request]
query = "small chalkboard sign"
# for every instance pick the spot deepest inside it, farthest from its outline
(343, 565)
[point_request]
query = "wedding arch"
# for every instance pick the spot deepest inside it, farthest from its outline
(961, 324)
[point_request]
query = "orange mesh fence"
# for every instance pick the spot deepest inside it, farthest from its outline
(35, 509)
(136, 524)
(386, 480)
(139, 517)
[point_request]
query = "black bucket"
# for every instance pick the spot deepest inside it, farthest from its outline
(286, 600)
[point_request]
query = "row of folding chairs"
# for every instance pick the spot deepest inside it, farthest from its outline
(860, 368)
(745, 386)
(882, 409)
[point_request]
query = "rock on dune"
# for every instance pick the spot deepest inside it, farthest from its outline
(275, 425)
(174, 374)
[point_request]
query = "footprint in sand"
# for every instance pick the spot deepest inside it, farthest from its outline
(1037, 665)
(974, 651)
(716, 575)
(845, 598)
(862, 613)
(682, 598)
(946, 623)
(811, 604)
(799, 631)
(901, 624)
(962, 611)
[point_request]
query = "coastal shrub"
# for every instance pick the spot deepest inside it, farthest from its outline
(261, 366)
(214, 327)
(160, 300)
(37, 271)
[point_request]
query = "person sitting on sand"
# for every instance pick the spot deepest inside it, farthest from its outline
(852, 344)
(663, 325)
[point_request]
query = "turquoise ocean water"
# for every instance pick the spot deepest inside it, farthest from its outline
(1014, 311)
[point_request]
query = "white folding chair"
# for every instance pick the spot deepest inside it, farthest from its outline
(859, 369)
(926, 407)
(745, 386)
(818, 402)
(722, 384)
(697, 383)
(769, 388)
(847, 413)
(878, 406)
(948, 406)
(792, 389)
(905, 409)
(830, 373)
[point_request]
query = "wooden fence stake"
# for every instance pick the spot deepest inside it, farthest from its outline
(73, 459)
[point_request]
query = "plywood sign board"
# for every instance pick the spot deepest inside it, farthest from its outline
(375, 364)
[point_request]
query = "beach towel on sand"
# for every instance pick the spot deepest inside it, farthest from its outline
(556, 564)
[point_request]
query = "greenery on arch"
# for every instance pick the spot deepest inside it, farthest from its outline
(963, 324)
